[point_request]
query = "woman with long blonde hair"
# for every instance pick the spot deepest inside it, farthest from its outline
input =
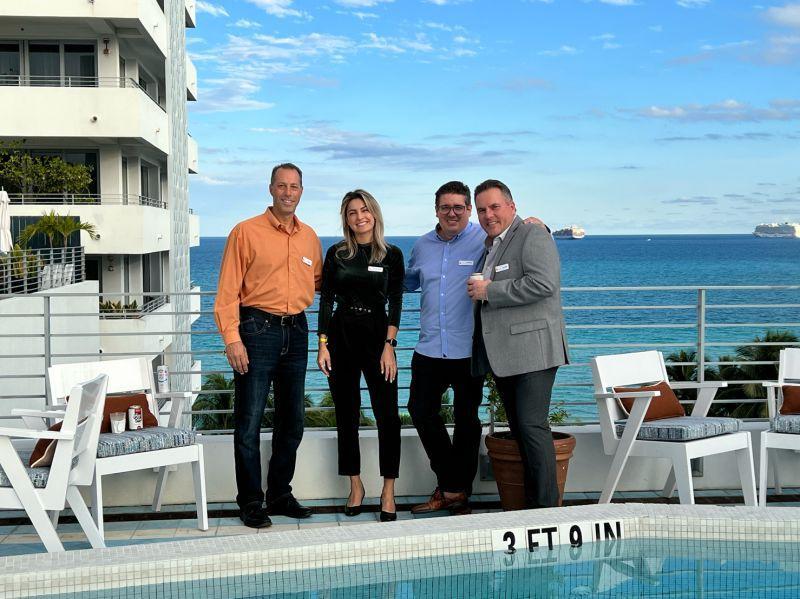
(360, 276)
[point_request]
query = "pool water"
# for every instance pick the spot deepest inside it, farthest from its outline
(622, 568)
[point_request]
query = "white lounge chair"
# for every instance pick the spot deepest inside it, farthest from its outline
(690, 437)
(157, 447)
(784, 430)
(50, 488)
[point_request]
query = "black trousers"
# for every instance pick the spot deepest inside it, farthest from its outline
(526, 398)
(454, 462)
(356, 342)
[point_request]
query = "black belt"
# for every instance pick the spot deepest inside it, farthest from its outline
(357, 309)
(284, 321)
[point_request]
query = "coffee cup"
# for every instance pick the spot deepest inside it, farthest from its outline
(476, 276)
(117, 422)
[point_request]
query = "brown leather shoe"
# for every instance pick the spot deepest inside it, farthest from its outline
(439, 502)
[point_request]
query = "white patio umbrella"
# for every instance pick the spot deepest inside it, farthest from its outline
(6, 242)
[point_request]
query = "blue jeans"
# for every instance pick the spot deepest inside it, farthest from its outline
(278, 355)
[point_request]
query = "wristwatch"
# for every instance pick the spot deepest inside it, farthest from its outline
(323, 339)
(392, 342)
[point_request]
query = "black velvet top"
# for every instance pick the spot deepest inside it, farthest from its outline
(361, 283)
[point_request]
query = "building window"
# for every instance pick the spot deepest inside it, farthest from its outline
(10, 63)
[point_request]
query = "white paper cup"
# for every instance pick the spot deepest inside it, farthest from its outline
(476, 276)
(117, 422)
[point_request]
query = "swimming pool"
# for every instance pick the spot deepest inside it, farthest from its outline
(643, 551)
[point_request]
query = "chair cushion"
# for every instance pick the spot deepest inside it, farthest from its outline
(685, 428)
(787, 424)
(665, 405)
(44, 450)
(146, 439)
(38, 476)
(791, 400)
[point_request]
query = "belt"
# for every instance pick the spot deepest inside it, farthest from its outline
(284, 321)
(357, 309)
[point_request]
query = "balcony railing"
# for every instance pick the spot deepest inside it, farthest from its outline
(25, 271)
(72, 81)
(112, 199)
(709, 324)
(129, 307)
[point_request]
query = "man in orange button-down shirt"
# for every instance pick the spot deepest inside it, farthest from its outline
(270, 269)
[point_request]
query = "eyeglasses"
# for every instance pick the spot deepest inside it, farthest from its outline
(458, 209)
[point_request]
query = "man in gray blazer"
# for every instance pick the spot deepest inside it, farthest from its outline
(519, 330)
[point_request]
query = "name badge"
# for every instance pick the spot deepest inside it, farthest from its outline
(466, 262)
(307, 261)
(501, 267)
(375, 268)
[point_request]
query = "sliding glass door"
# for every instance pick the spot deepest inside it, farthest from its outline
(10, 63)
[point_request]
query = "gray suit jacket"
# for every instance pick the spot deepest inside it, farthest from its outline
(521, 327)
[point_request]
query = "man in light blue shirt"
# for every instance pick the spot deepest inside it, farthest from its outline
(440, 264)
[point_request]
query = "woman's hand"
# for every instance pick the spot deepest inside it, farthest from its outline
(324, 359)
(388, 363)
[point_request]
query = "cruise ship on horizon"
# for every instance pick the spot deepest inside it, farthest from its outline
(571, 232)
(784, 230)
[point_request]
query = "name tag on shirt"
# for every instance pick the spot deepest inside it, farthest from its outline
(501, 267)
(307, 261)
(466, 262)
(375, 268)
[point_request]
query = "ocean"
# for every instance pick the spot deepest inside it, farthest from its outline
(605, 261)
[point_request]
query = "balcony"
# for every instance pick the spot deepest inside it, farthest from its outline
(191, 14)
(104, 108)
(26, 271)
(191, 80)
(133, 19)
(192, 157)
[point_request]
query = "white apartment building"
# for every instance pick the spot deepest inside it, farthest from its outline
(96, 82)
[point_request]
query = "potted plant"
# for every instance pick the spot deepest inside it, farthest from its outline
(506, 460)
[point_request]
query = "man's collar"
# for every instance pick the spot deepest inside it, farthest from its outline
(501, 236)
(278, 224)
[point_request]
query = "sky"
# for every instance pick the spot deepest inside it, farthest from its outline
(623, 116)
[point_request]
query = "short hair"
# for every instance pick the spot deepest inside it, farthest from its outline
(494, 184)
(287, 165)
(456, 187)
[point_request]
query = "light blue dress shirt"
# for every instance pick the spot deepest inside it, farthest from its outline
(441, 268)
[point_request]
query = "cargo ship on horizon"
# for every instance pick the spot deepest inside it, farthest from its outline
(784, 230)
(571, 232)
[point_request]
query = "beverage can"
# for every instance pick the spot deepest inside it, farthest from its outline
(135, 418)
(162, 379)
(476, 276)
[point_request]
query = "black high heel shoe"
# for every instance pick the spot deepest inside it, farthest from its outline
(388, 516)
(354, 510)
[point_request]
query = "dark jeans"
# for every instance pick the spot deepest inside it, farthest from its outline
(454, 462)
(278, 355)
(526, 398)
(356, 343)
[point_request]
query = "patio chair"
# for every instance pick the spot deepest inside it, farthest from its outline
(45, 488)
(784, 430)
(155, 447)
(678, 439)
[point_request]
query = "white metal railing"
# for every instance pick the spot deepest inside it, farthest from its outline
(73, 81)
(114, 199)
(24, 271)
(710, 322)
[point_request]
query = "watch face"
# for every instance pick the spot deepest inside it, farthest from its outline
(392, 342)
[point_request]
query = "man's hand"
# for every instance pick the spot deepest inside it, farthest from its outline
(237, 356)
(532, 220)
(476, 289)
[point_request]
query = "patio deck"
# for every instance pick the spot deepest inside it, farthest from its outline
(140, 525)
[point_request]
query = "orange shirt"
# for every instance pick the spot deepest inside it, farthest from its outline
(265, 267)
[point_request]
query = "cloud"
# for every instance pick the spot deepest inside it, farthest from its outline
(361, 3)
(208, 180)
(561, 51)
(215, 10)
(692, 3)
(691, 201)
(603, 37)
(656, 28)
(446, 2)
(729, 111)
(787, 15)
(245, 24)
(481, 135)
(279, 8)
(229, 95)
(397, 45)
(750, 136)
(619, 2)
(710, 51)
(629, 167)
(362, 16)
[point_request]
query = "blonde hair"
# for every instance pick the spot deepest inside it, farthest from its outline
(350, 245)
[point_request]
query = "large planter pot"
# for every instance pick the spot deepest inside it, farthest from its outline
(509, 472)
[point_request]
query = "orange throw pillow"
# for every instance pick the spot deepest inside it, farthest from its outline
(44, 450)
(665, 405)
(121, 403)
(791, 400)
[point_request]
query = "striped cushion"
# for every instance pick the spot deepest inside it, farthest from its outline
(38, 476)
(685, 428)
(787, 424)
(146, 439)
